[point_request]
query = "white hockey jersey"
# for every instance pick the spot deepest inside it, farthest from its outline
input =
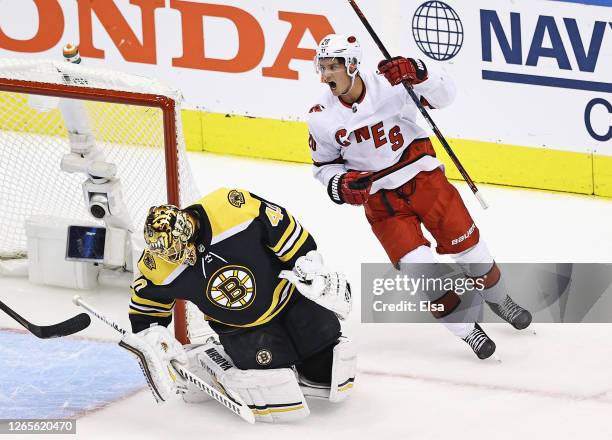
(373, 133)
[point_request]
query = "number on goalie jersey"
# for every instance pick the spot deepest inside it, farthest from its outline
(242, 244)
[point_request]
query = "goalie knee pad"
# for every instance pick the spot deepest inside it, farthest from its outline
(273, 395)
(343, 369)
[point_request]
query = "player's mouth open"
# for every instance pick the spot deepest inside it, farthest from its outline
(332, 85)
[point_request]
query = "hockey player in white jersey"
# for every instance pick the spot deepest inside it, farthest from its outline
(368, 150)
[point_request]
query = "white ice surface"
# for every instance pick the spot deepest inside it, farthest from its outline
(415, 381)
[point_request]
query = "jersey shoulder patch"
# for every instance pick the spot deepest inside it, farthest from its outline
(316, 108)
(318, 123)
(229, 211)
(155, 269)
(322, 109)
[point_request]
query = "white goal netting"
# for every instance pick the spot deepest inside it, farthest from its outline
(34, 137)
(140, 140)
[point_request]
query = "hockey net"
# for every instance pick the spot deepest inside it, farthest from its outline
(135, 122)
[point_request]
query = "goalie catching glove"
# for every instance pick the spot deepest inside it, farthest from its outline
(155, 347)
(317, 283)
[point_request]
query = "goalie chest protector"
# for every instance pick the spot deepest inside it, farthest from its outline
(242, 245)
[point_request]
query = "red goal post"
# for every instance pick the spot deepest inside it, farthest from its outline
(16, 90)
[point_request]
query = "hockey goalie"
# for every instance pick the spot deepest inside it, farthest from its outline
(255, 273)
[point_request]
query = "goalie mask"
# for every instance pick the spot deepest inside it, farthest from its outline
(169, 234)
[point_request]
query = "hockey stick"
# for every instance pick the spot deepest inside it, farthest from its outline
(65, 328)
(423, 111)
(235, 404)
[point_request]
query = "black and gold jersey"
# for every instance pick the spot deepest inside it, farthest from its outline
(243, 243)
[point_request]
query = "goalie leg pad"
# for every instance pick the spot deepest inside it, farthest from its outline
(273, 395)
(193, 394)
(343, 369)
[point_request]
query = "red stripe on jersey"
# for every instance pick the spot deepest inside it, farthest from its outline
(320, 164)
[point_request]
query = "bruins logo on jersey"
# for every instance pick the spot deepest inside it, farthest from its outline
(263, 357)
(236, 198)
(149, 261)
(231, 287)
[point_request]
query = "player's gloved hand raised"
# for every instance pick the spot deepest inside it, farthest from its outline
(399, 69)
(317, 283)
(352, 187)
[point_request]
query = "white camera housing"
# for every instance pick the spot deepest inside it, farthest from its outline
(98, 205)
(105, 201)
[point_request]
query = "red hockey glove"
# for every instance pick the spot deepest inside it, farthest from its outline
(352, 187)
(400, 69)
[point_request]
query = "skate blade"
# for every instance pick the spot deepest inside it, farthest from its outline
(495, 358)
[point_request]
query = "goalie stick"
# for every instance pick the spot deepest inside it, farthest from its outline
(423, 111)
(234, 404)
(65, 328)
